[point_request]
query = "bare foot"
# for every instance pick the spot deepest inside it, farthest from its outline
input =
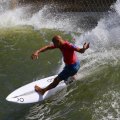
(39, 90)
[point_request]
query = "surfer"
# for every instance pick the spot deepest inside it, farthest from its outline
(71, 61)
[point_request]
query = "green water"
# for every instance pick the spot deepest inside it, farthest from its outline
(16, 66)
(95, 96)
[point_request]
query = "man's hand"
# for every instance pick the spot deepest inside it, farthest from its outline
(86, 46)
(35, 55)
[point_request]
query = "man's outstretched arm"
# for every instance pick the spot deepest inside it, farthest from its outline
(43, 49)
(85, 47)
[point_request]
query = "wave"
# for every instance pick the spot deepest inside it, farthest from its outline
(96, 93)
(104, 38)
(104, 42)
(41, 19)
(46, 18)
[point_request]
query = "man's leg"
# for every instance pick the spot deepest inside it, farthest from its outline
(70, 79)
(74, 76)
(51, 86)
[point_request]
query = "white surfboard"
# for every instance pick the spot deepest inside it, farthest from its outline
(27, 93)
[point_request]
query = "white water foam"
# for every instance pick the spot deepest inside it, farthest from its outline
(12, 18)
(104, 50)
(41, 19)
(107, 109)
(104, 43)
(4, 5)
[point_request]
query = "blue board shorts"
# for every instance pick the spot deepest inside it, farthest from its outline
(69, 70)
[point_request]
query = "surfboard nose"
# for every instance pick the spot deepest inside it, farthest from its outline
(8, 98)
(14, 100)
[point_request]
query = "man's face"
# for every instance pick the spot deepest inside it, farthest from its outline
(57, 43)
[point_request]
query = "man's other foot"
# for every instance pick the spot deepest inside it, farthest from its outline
(39, 90)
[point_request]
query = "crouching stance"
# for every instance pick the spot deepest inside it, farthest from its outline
(71, 61)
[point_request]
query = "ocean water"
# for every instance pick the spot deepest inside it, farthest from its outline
(96, 94)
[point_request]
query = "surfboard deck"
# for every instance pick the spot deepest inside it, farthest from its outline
(27, 94)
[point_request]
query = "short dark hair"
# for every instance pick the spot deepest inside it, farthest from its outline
(56, 37)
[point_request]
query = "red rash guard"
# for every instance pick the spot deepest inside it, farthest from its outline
(68, 52)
